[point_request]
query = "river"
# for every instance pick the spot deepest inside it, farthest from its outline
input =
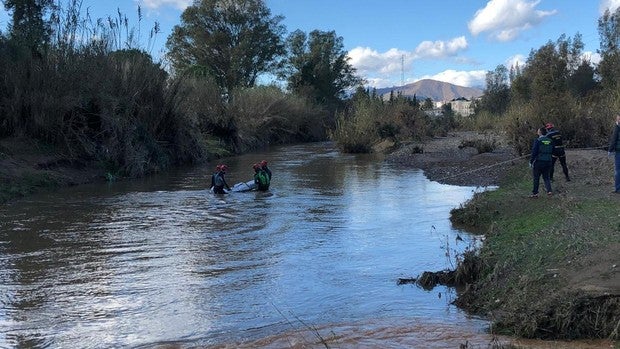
(162, 262)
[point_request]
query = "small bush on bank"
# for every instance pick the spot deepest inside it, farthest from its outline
(267, 115)
(356, 130)
(482, 145)
(368, 120)
(482, 121)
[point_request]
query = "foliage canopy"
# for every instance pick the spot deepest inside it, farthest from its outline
(233, 41)
(317, 66)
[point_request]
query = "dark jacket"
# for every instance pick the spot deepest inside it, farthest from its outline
(219, 182)
(266, 169)
(556, 137)
(541, 150)
(614, 141)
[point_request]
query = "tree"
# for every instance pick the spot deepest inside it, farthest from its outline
(520, 89)
(234, 41)
(496, 97)
(582, 82)
(446, 110)
(28, 26)
(317, 66)
(428, 104)
(609, 32)
(547, 73)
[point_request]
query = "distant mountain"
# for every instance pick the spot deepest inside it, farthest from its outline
(433, 89)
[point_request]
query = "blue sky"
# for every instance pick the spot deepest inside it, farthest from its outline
(389, 42)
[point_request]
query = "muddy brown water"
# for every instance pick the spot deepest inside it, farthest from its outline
(162, 262)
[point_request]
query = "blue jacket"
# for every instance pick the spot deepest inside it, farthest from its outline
(542, 149)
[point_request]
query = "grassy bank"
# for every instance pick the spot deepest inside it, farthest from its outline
(549, 267)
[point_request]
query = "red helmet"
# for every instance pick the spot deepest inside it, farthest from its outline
(223, 168)
(548, 125)
(263, 163)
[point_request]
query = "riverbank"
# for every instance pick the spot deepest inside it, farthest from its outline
(27, 166)
(550, 267)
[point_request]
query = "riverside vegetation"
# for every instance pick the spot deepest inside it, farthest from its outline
(81, 101)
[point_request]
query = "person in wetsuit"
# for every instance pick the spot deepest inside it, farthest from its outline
(217, 169)
(263, 166)
(261, 178)
(218, 180)
(614, 147)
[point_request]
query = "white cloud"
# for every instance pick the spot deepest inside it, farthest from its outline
(514, 60)
(155, 4)
(379, 82)
(473, 78)
(612, 5)
(367, 60)
(504, 20)
(592, 57)
(440, 49)
(381, 68)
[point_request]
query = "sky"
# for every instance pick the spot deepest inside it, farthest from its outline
(391, 43)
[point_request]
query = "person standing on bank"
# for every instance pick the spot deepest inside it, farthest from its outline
(558, 150)
(614, 147)
(540, 161)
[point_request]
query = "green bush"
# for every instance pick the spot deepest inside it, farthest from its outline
(368, 120)
(482, 145)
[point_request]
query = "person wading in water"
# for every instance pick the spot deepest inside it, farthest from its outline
(218, 181)
(261, 178)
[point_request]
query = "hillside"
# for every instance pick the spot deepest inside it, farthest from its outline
(433, 89)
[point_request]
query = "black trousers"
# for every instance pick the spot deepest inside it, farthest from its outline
(541, 168)
(564, 167)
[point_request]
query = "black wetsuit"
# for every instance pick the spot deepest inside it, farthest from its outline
(266, 169)
(219, 183)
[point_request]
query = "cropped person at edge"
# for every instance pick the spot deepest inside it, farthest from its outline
(614, 147)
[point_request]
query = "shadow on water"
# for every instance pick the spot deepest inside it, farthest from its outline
(162, 262)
